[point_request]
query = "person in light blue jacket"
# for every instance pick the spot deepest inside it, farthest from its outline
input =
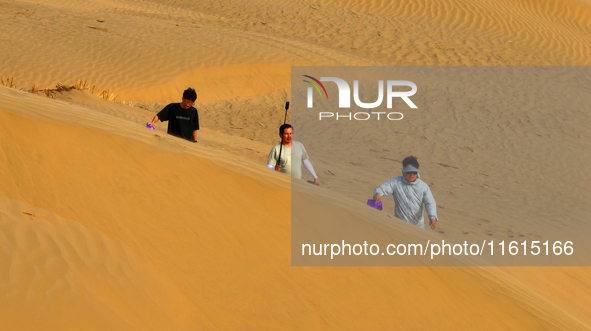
(410, 193)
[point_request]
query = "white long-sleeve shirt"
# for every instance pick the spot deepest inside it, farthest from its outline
(409, 198)
(292, 158)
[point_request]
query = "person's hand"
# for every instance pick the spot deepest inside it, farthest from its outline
(432, 224)
(277, 167)
(316, 182)
(377, 198)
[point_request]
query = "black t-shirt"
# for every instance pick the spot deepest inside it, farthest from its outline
(181, 122)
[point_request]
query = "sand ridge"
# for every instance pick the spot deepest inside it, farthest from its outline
(239, 263)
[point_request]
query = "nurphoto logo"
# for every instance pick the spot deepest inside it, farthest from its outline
(345, 98)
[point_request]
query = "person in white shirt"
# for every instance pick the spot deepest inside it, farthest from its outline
(293, 154)
(410, 194)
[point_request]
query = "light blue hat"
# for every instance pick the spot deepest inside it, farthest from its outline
(410, 168)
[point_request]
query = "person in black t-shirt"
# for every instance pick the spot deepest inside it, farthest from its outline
(183, 119)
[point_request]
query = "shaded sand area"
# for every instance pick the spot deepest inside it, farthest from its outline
(107, 225)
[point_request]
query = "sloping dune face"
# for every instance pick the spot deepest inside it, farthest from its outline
(100, 231)
(105, 225)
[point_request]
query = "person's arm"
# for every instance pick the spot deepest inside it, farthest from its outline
(308, 165)
(310, 169)
(383, 190)
(154, 120)
(431, 208)
(195, 125)
(162, 116)
(272, 160)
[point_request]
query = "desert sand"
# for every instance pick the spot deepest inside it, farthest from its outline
(107, 225)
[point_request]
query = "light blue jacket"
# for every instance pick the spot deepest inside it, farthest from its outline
(409, 198)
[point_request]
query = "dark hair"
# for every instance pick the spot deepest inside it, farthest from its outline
(283, 127)
(190, 94)
(410, 160)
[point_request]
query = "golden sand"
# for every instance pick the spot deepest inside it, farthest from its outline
(107, 225)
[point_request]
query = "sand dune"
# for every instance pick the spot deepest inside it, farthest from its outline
(246, 48)
(107, 225)
(113, 241)
(52, 267)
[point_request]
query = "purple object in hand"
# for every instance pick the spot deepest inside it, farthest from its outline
(149, 126)
(372, 203)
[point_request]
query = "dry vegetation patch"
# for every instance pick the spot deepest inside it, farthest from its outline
(80, 85)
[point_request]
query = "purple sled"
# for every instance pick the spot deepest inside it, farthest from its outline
(373, 204)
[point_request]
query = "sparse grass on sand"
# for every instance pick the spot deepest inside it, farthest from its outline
(80, 85)
(8, 82)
